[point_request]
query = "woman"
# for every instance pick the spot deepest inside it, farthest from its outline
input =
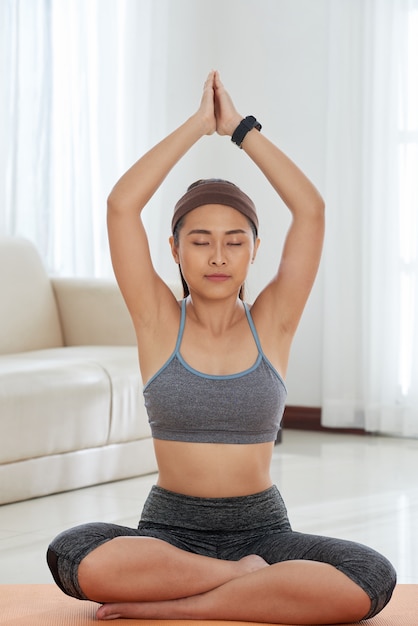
(214, 540)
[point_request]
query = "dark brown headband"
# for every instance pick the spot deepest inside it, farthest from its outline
(214, 191)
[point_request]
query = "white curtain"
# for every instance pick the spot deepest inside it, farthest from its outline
(77, 86)
(370, 366)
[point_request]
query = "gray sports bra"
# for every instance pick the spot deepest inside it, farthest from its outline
(186, 405)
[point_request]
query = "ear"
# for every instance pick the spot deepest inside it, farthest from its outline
(174, 250)
(256, 246)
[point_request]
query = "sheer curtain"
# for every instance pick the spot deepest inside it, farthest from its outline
(370, 369)
(77, 86)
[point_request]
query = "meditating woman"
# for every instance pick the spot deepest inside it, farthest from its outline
(214, 540)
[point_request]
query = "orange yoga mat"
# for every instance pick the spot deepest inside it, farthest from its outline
(46, 605)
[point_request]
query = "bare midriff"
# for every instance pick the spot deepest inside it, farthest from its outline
(213, 470)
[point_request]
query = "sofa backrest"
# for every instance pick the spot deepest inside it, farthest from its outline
(28, 313)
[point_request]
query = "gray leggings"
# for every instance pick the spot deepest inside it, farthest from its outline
(226, 528)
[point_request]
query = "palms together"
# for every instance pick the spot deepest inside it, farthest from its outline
(217, 108)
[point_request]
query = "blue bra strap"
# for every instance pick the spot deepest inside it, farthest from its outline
(182, 323)
(253, 328)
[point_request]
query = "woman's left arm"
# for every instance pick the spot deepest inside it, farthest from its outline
(284, 298)
(287, 293)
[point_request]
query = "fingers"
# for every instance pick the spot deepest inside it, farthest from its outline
(227, 117)
(214, 80)
(217, 83)
(222, 109)
(209, 82)
(206, 112)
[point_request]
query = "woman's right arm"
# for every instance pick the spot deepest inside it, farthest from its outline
(143, 290)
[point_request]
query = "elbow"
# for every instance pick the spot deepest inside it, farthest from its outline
(317, 210)
(315, 214)
(112, 203)
(121, 202)
(320, 214)
(319, 205)
(310, 207)
(115, 204)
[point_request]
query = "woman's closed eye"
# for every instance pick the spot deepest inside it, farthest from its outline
(207, 243)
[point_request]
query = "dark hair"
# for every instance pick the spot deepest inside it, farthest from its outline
(178, 226)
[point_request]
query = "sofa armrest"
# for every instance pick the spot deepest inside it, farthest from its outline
(92, 312)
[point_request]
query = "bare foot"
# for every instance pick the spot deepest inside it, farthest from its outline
(170, 609)
(251, 563)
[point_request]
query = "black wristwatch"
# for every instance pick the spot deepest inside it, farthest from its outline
(247, 124)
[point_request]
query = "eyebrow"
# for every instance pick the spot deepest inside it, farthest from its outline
(202, 231)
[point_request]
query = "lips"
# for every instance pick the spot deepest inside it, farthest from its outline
(217, 278)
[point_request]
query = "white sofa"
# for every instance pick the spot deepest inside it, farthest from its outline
(71, 405)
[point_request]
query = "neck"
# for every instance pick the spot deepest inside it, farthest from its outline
(215, 316)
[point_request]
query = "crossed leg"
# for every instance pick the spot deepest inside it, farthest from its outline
(155, 580)
(148, 569)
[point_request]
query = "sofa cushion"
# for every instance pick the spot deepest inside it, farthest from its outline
(51, 407)
(65, 399)
(92, 312)
(120, 363)
(28, 313)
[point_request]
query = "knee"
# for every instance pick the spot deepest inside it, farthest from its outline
(93, 572)
(67, 551)
(381, 587)
(52, 560)
(64, 574)
(358, 605)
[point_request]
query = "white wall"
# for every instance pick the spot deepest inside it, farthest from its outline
(272, 55)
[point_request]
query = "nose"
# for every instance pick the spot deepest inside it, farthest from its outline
(217, 258)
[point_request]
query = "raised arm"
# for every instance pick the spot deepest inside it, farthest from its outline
(143, 290)
(281, 303)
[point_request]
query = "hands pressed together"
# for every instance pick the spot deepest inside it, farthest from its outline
(216, 110)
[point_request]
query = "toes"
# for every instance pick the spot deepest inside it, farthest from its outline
(108, 611)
